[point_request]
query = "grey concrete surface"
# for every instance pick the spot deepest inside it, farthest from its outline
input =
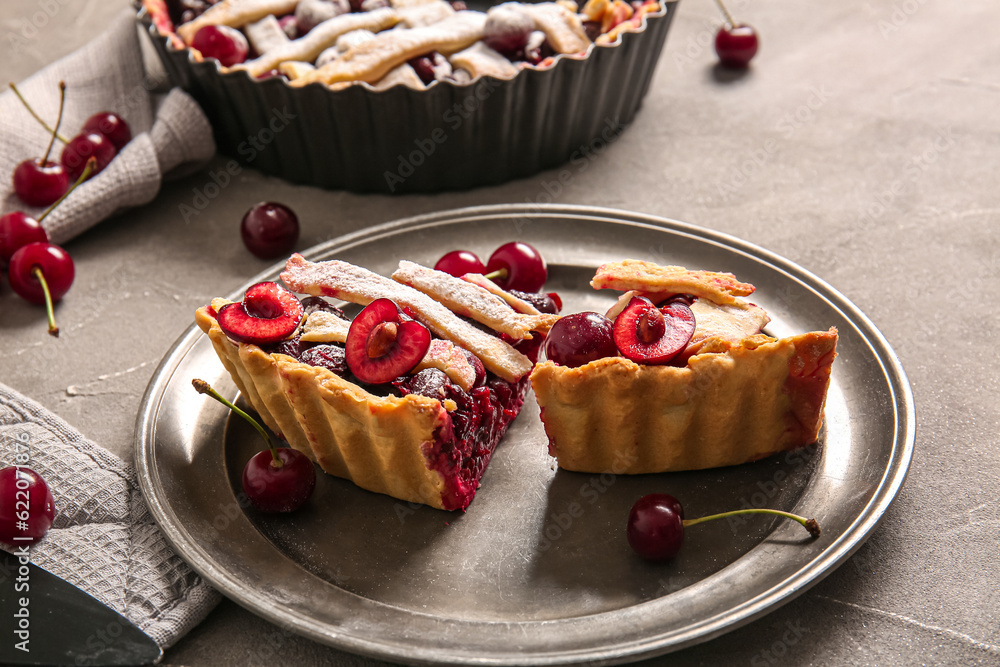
(864, 144)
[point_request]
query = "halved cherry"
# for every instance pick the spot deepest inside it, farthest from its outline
(268, 313)
(381, 345)
(650, 335)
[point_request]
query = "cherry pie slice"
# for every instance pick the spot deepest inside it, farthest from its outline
(426, 435)
(732, 395)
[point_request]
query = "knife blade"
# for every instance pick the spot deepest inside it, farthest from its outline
(45, 620)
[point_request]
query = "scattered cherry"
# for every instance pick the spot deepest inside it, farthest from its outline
(269, 230)
(459, 262)
(18, 229)
(517, 266)
(650, 335)
(26, 506)
(580, 338)
(279, 488)
(735, 43)
(41, 182)
(39, 271)
(381, 345)
(111, 125)
(268, 313)
(42, 273)
(656, 524)
(277, 479)
(225, 44)
(81, 148)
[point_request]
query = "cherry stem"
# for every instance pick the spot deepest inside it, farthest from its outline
(52, 139)
(810, 524)
(499, 273)
(35, 115)
(204, 388)
(49, 308)
(725, 12)
(87, 169)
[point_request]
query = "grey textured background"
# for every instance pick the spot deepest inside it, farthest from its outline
(863, 144)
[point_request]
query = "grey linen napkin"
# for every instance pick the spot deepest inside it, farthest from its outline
(103, 539)
(107, 74)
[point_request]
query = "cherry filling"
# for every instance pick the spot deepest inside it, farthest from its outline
(462, 448)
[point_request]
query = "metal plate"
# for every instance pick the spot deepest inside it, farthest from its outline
(538, 570)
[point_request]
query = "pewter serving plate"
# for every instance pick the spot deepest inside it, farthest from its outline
(537, 571)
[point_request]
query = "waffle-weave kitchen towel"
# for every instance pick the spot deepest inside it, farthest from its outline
(103, 539)
(169, 133)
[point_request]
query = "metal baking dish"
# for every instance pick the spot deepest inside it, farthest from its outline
(448, 137)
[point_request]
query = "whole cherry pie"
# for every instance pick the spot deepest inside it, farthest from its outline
(385, 43)
(677, 376)
(410, 397)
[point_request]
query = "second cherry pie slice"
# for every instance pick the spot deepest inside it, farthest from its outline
(731, 396)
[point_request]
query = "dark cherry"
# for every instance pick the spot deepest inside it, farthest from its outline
(42, 182)
(520, 266)
(655, 527)
(459, 262)
(593, 29)
(580, 338)
(279, 489)
(18, 229)
(544, 302)
(311, 304)
(26, 506)
(81, 147)
(381, 345)
(736, 45)
(270, 230)
(55, 265)
(111, 125)
(507, 29)
(225, 44)
(424, 67)
(39, 184)
(656, 523)
(650, 335)
(267, 314)
(278, 479)
(331, 357)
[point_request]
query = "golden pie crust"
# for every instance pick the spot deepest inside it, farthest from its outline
(739, 396)
(377, 442)
(758, 398)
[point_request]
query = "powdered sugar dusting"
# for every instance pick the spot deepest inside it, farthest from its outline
(352, 283)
